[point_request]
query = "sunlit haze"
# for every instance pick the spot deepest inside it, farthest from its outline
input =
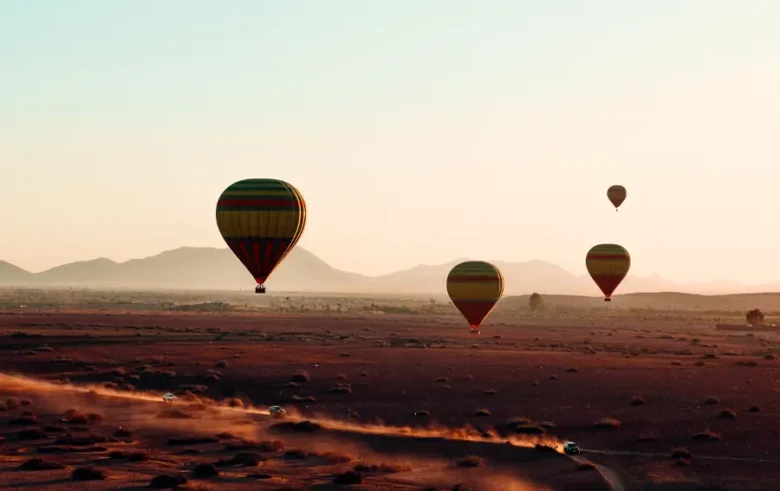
(418, 131)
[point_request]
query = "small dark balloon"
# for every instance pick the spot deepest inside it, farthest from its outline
(616, 195)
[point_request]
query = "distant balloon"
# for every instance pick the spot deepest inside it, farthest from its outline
(608, 264)
(261, 220)
(474, 288)
(616, 195)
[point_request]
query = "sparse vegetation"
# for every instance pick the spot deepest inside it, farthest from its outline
(637, 400)
(470, 461)
(204, 470)
(535, 302)
(707, 436)
(136, 456)
(347, 478)
(167, 481)
(301, 377)
(406, 378)
(341, 389)
(76, 417)
(88, 474)
(681, 453)
(727, 414)
(38, 464)
(754, 317)
(647, 436)
(607, 423)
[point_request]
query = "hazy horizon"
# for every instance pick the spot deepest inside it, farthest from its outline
(418, 132)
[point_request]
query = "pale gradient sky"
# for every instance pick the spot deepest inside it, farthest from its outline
(419, 131)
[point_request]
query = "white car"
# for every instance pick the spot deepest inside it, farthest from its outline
(168, 397)
(277, 412)
(571, 448)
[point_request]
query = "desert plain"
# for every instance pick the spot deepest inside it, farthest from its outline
(382, 393)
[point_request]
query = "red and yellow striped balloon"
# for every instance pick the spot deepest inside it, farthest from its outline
(261, 220)
(608, 265)
(474, 288)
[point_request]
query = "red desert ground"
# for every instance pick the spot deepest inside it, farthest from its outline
(383, 393)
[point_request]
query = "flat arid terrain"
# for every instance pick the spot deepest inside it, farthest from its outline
(380, 394)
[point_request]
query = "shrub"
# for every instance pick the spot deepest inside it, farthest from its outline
(349, 477)
(38, 464)
(470, 461)
(706, 436)
(681, 453)
(647, 436)
(747, 363)
(727, 414)
(87, 474)
(340, 389)
(167, 481)
(131, 456)
(637, 400)
(754, 316)
(301, 377)
(607, 423)
(535, 302)
(205, 470)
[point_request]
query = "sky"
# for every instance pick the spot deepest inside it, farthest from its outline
(418, 131)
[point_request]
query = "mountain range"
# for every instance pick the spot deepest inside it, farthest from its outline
(199, 268)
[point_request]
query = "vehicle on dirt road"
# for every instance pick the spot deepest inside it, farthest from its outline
(277, 412)
(168, 397)
(571, 448)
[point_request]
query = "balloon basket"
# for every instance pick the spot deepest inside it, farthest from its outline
(607, 299)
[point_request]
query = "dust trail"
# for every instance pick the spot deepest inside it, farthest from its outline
(27, 384)
(149, 411)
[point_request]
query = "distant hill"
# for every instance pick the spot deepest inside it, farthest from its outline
(10, 274)
(210, 268)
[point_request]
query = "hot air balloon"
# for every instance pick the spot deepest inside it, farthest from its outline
(616, 195)
(261, 220)
(608, 264)
(475, 287)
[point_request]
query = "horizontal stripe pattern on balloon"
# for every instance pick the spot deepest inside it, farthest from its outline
(474, 288)
(261, 220)
(608, 265)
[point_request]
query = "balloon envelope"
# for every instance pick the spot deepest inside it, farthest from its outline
(474, 288)
(261, 220)
(616, 195)
(608, 264)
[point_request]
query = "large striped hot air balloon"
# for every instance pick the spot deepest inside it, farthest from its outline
(616, 195)
(475, 287)
(261, 220)
(608, 264)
